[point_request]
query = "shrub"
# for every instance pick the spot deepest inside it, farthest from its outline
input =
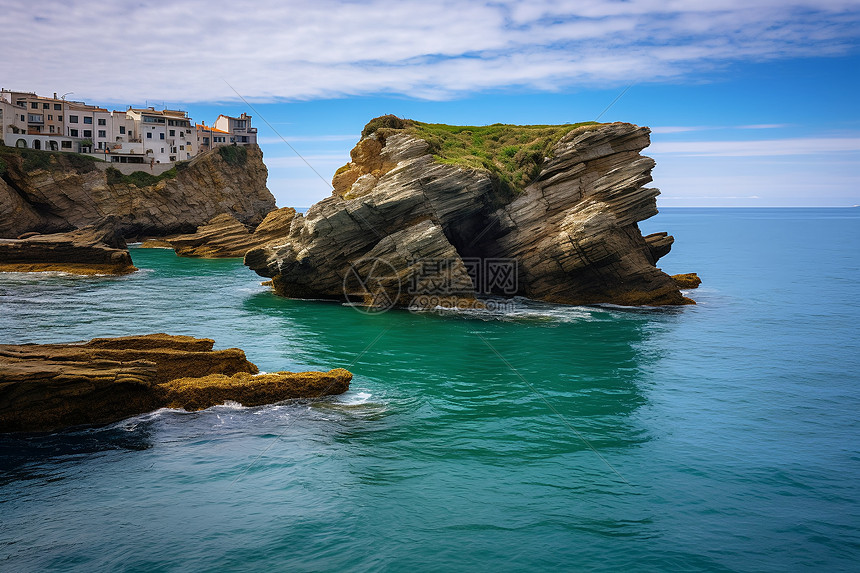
(233, 154)
(34, 159)
(384, 121)
(114, 176)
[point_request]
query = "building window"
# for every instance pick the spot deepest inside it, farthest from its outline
(162, 150)
(149, 135)
(88, 120)
(182, 148)
(66, 144)
(51, 128)
(23, 118)
(59, 118)
(101, 122)
(172, 132)
(58, 106)
(88, 133)
(161, 136)
(46, 106)
(34, 105)
(173, 158)
(73, 119)
(102, 133)
(73, 132)
(50, 117)
(122, 129)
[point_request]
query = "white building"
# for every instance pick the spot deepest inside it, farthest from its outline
(137, 135)
(239, 129)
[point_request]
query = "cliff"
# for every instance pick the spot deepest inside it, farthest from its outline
(545, 212)
(55, 192)
(45, 387)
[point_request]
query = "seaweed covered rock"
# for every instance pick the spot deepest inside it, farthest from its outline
(45, 387)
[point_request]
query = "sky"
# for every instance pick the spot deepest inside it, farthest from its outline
(750, 102)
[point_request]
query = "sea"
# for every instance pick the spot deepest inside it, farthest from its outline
(717, 437)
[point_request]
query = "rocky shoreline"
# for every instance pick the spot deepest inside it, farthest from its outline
(47, 387)
(93, 250)
(224, 236)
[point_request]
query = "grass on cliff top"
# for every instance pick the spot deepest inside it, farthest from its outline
(34, 159)
(142, 178)
(234, 155)
(513, 154)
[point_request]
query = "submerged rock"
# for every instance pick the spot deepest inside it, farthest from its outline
(253, 390)
(565, 223)
(96, 249)
(46, 387)
(224, 236)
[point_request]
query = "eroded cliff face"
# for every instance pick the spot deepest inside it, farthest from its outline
(572, 231)
(59, 192)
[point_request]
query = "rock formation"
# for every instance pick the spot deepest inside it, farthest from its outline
(45, 387)
(224, 236)
(96, 249)
(57, 192)
(687, 280)
(566, 228)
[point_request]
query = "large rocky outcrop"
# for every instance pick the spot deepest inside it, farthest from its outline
(46, 387)
(224, 236)
(57, 192)
(95, 249)
(571, 232)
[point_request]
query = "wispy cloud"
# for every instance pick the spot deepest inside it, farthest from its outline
(181, 51)
(759, 148)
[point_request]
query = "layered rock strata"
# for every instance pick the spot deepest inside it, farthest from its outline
(571, 234)
(93, 250)
(45, 387)
(57, 192)
(224, 236)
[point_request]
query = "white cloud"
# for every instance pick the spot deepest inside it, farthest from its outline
(182, 51)
(758, 148)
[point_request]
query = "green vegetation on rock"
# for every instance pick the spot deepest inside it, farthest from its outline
(34, 159)
(233, 154)
(512, 154)
(142, 178)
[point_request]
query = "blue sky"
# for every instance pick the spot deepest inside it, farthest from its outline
(752, 103)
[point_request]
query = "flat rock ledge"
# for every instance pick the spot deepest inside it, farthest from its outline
(224, 236)
(93, 250)
(48, 387)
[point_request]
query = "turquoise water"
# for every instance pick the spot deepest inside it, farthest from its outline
(720, 437)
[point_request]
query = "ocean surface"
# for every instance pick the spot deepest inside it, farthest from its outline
(716, 437)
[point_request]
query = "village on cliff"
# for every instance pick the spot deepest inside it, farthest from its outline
(136, 135)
